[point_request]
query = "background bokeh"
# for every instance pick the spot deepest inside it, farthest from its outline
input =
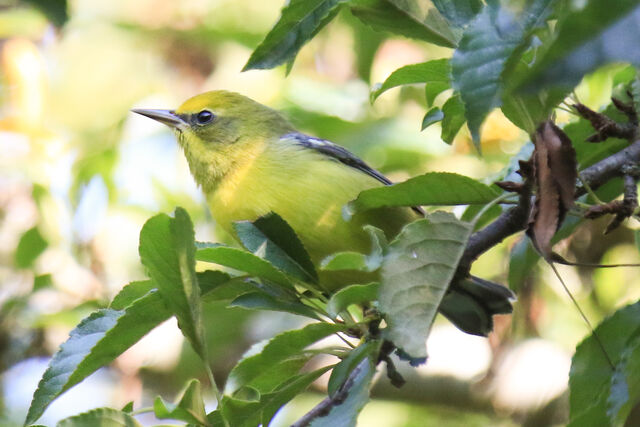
(79, 175)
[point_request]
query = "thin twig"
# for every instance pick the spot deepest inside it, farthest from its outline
(590, 192)
(323, 408)
(584, 316)
(214, 385)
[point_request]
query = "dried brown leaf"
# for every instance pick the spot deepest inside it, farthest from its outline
(555, 173)
(597, 211)
(628, 109)
(606, 127)
(562, 160)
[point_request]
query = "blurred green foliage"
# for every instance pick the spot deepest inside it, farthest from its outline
(79, 175)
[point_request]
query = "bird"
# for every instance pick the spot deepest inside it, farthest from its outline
(249, 161)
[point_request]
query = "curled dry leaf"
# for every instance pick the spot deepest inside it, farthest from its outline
(628, 109)
(622, 209)
(596, 211)
(555, 173)
(606, 127)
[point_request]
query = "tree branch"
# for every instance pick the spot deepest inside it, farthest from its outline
(323, 408)
(515, 219)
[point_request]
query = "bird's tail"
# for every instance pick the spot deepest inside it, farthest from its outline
(471, 303)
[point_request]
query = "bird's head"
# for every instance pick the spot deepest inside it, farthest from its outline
(219, 129)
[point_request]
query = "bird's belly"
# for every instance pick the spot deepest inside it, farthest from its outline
(311, 203)
(310, 199)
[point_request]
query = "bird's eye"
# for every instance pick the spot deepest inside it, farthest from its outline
(204, 117)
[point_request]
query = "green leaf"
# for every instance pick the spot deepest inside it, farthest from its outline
(454, 118)
(29, 248)
(594, 415)
(345, 261)
(379, 246)
(275, 377)
(625, 385)
(458, 12)
(435, 71)
(248, 393)
(128, 408)
(103, 417)
(479, 61)
(263, 301)
(276, 291)
(130, 293)
(489, 215)
(42, 281)
(353, 294)
(366, 42)
(94, 343)
(346, 413)
(432, 116)
(271, 238)
(356, 260)
(416, 273)
(54, 10)
(211, 280)
(625, 76)
(216, 420)
(406, 18)
(590, 375)
(341, 371)
(189, 407)
(433, 188)
(167, 250)
(525, 111)
(432, 90)
(263, 356)
(242, 413)
(594, 35)
(243, 261)
(299, 22)
(522, 259)
(216, 285)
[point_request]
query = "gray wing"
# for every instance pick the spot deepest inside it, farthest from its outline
(341, 155)
(338, 153)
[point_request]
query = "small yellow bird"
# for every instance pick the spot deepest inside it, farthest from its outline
(249, 161)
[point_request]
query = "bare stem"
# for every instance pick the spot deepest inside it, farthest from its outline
(584, 316)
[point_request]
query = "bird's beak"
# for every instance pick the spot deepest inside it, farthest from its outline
(167, 117)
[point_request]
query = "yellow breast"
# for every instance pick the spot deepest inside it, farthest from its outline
(306, 188)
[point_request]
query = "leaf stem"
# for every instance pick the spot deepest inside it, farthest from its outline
(334, 351)
(346, 341)
(140, 411)
(348, 318)
(588, 189)
(567, 110)
(489, 205)
(312, 304)
(214, 385)
(575, 303)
